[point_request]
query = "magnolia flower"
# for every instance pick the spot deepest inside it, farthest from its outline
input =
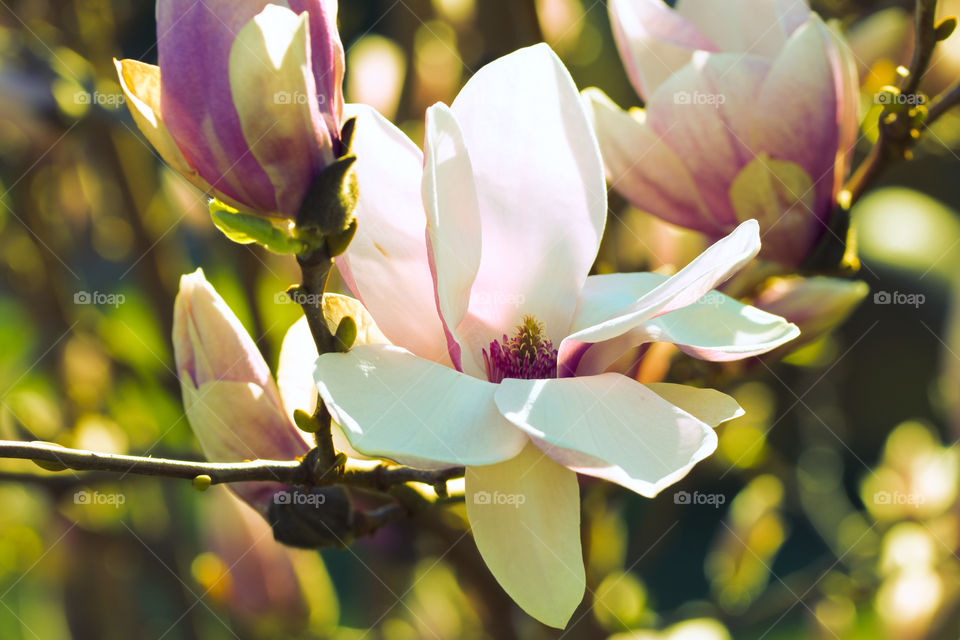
(249, 103)
(751, 113)
(473, 259)
(231, 400)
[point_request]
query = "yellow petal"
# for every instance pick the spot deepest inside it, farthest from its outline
(708, 405)
(525, 516)
(141, 86)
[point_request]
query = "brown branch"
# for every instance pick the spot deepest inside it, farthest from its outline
(943, 103)
(299, 472)
(896, 129)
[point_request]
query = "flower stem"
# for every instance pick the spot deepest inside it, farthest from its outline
(315, 268)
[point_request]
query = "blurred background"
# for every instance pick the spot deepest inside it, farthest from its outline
(831, 509)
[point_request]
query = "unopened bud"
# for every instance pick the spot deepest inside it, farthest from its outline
(946, 28)
(305, 421)
(346, 334)
(50, 465)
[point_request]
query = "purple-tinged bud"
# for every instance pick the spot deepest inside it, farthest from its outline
(247, 99)
(229, 394)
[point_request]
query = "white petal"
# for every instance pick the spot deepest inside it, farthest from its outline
(386, 265)
(525, 517)
(541, 190)
(717, 328)
(295, 369)
(608, 426)
(605, 295)
(453, 224)
(298, 354)
(393, 404)
(298, 357)
(686, 287)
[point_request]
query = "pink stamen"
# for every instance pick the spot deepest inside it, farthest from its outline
(527, 355)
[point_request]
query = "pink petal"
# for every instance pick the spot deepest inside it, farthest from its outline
(645, 170)
(759, 27)
(453, 225)
(541, 190)
(798, 115)
(328, 57)
(209, 343)
(387, 266)
(654, 41)
(704, 113)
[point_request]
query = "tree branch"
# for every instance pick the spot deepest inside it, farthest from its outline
(296, 472)
(897, 128)
(943, 103)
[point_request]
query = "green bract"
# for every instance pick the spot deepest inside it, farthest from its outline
(244, 228)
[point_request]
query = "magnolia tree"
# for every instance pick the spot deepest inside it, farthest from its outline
(475, 356)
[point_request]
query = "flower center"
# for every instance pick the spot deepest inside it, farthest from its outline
(528, 355)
